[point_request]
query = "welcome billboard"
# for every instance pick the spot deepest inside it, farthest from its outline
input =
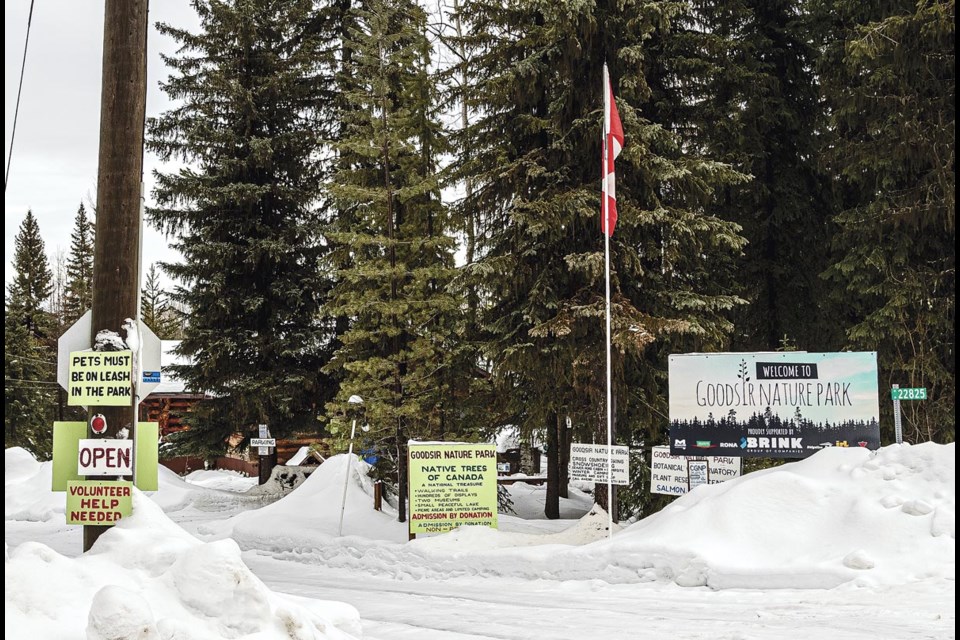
(778, 405)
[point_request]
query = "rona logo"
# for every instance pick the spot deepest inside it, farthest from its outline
(771, 443)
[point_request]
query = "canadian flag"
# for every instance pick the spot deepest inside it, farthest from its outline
(612, 144)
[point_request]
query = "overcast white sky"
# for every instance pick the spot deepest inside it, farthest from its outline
(54, 165)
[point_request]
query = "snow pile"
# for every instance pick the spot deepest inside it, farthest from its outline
(843, 514)
(221, 480)
(107, 340)
(590, 528)
(27, 495)
(309, 516)
(33, 510)
(840, 516)
(147, 578)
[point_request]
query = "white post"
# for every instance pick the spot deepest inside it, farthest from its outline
(897, 422)
(346, 476)
(606, 262)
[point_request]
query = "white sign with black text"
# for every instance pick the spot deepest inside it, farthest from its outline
(103, 457)
(264, 432)
(676, 475)
(590, 462)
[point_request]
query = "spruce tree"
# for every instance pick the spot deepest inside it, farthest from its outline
(534, 162)
(29, 346)
(78, 297)
(246, 213)
(393, 246)
(889, 79)
(735, 79)
(32, 281)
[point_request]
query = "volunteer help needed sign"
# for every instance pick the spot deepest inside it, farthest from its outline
(100, 378)
(98, 502)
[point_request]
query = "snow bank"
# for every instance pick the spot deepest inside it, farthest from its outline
(28, 495)
(841, 516)
(147, 578)
(221, 480)
(26, 492)
(309, 516)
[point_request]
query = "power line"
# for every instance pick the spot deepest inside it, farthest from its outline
(16, 111)
(44, 382)
(15, 358)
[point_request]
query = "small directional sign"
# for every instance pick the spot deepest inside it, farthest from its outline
(264, 434)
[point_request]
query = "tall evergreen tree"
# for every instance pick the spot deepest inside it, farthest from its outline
(889, 78)
(534, 161)
(247, 213)
(735, 79)
(394, 282)
(79, 287)
(29, 346)
(32, 281)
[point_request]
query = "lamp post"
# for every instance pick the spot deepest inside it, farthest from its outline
(346, 476)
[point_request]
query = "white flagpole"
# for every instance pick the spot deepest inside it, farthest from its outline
(606, 261)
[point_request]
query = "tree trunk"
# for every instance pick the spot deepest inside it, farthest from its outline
(563, 454)
(401, 479)
(551, 507)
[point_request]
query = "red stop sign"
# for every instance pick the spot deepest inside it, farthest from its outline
(98, 424)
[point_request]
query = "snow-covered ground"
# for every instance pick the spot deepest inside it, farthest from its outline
(846, 544)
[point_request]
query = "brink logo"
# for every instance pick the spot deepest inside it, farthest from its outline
(771, 443)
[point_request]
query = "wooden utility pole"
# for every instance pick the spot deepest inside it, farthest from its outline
(116, 260)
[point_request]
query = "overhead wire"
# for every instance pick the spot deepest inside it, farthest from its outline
(16, 112)
(32, 382)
